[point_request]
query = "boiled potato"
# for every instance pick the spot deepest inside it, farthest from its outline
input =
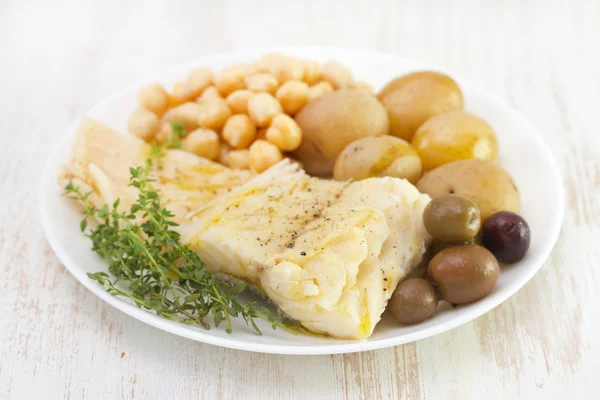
(484, 182)
(378, 156)
(333, 121)
(412, 99)
(454, 135)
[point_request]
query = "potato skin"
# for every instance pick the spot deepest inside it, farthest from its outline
(412, 99)
(484, 182)
(333, 121)
(378, 156)
(454, 135)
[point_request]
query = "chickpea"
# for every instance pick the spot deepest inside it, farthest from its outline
(178, 96)
(318, 90)
(336, 74)
(182, 93)
(187, 113)
(312, 72)
(364, 86)
(271, 62)
(283, 68)
(238, 159)
(224, 151)
(143, 124)
(262, 107)
(210, 93)
(229, 80)
(154, 98)
(284, 133)
(238, 101)
(261, 83)
(292, 96)
(213, 113)
(263, 155)
(203, 143)
(293, 70)
(239, 131)
(198, 80)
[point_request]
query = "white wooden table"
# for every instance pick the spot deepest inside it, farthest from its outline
(57, 59)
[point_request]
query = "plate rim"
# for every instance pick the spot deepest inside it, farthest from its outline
(352, 347)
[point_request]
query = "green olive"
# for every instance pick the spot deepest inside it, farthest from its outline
(414, 300)
(464, 274)
(452, 219)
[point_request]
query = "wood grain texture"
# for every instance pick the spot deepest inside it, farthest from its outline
(59, 341)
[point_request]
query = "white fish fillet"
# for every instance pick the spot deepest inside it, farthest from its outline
(328, 254)
(102, 158)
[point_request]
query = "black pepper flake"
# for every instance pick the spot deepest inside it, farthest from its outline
(385, 279)
(384, 289)
(302, 253)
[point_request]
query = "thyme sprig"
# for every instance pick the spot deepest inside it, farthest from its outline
(150, 265)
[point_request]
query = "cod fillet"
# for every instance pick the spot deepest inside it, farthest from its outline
(328, 254)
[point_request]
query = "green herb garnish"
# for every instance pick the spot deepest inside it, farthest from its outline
(146, 256)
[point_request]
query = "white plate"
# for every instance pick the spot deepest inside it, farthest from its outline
(523, 153)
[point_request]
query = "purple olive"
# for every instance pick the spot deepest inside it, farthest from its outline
(507, 236)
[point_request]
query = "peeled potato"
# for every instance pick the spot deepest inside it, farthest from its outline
(333, 121)
(484, 182)
(454, 135)
(378, 156)
(412, 99)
